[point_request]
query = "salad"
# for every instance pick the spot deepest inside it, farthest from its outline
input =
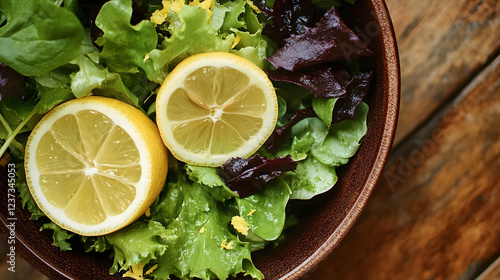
(52, 51)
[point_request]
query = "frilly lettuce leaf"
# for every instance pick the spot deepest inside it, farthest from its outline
(139, 242)
(60, 236)
(125, 46)
(207, 176)
(190, 36)
(202, 226)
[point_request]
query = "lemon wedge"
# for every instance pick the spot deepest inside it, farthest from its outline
(214, 106)
(95, 164)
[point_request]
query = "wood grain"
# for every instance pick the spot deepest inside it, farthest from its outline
(443, 44)
(434, 214)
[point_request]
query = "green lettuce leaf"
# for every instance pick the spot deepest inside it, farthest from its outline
(207, 176)
(265, 212)
(322, 149)
(124, 46)
(139, 242)
(38, 36)
(192, 35)
(202, 225)
(343, 139)
(311, 178)
(60, 236)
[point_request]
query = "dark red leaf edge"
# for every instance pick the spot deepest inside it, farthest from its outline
(278, 136)
(249, 176)
(357, 89)
(322, 82)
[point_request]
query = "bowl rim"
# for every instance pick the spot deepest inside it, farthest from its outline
(391, 62)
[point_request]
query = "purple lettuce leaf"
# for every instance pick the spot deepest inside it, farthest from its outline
(329, 41)
(249, 176)
(322, 82)
(279, 134)
(288, 17)
(357, 89)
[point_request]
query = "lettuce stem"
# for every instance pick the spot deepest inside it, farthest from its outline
(10, 138)
(5, 124)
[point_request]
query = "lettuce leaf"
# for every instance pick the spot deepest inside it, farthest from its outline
(190, 35)
(343, 139)
(125, 46)
(139, 242)
(265, 212)
(38, 36)
(202, 225)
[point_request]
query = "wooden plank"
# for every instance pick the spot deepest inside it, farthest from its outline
(434, 214)
(442, 44)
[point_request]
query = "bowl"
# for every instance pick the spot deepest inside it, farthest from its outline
(323, 221)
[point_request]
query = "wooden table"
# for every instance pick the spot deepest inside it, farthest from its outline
(435, 213)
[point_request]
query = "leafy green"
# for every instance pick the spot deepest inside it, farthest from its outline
(311, 178)
(15, 114)
(193, 36)
(265, 212)
(60, 236)
(324, 109)
(139, 242)
(208, 176)
(202, 225)
(124, 46)
(343, 139)
(38, 36)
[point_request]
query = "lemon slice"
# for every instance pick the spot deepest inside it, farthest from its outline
(95, 164)
(214, 106)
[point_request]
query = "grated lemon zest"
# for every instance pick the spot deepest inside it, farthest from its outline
(252, 5)
(135, 272)
(240, 225)
(251, 212)
(151, 269)
(227, 246)
(236, 41)
(202, 229)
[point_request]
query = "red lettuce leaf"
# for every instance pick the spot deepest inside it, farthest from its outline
(322, 82)
(11, 82)
(249, 176)
(357, 89)
(278, 136)
(329, 41)
(288, 17)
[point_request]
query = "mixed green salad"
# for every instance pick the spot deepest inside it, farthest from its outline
(52, 51)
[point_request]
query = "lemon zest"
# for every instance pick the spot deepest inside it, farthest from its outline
(252, 5)
(236, 41)
(227, 246)
(202, 229)
(240, 225)
(135, 272)
(151, 269)
(251, 212)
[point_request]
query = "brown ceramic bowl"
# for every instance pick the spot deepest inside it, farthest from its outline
(324, 220)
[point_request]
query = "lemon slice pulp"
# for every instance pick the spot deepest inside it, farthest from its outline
(95, 164)
(214, 106)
